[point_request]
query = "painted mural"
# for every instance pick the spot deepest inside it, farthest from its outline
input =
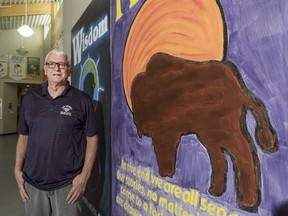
(91, 73)
(199, 99)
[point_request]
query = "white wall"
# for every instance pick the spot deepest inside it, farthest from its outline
(8, 123)
(11, 40)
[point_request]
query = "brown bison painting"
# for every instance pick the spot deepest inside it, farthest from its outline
(176, 97)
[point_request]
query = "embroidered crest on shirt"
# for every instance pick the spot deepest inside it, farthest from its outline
(66, 110)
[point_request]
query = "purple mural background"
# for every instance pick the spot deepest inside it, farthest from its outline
(257, 33)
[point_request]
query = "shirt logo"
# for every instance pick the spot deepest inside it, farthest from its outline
(66, 110)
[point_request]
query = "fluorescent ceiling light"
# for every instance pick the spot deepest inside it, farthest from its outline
(25, 31)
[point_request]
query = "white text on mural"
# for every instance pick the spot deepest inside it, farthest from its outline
(142, 193)
(83, 40)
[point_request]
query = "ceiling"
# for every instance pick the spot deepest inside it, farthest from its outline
(13, 13)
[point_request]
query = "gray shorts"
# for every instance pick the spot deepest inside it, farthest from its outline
(51, 203)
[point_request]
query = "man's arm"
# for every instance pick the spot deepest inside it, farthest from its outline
(21, 150)
(80, 181)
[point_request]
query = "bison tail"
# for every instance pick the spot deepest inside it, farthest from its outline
(265, 134)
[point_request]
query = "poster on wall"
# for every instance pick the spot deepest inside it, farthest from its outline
(199, 99)
(3, 65)
(33, 66)
(91, 73)
(17, 67)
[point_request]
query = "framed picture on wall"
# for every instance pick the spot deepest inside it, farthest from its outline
(3, 65)
(33, 66)
(17, 68)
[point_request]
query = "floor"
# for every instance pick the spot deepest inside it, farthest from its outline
(10, 201)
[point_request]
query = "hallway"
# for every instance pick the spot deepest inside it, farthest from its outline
(10, 201)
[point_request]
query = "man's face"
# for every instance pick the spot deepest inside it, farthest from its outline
(57, 69)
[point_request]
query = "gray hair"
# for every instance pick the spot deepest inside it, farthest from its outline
(59, 53)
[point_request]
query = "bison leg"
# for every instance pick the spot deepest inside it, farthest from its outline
(165, 146)
(219, 171)
(247, 171)
(247, 181)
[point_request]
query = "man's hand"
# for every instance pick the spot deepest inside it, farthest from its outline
(21, 186)
(80, 181)
(78, 188)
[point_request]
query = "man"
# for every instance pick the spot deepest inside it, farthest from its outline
(57, 143)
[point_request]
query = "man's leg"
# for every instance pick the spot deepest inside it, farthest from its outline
(61, 207)
(38, 204)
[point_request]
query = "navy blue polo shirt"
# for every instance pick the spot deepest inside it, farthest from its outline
(56, 129)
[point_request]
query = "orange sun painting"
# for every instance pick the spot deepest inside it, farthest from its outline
(188, 29)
